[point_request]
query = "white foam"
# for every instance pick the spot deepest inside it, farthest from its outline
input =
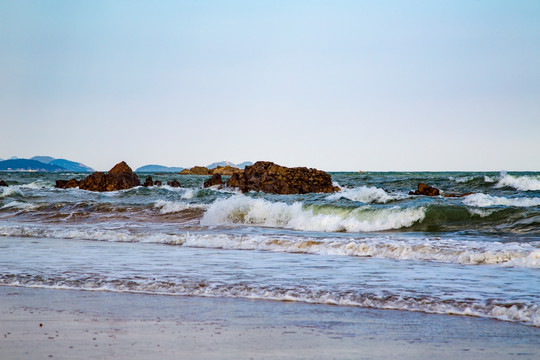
(10, 191)
(463, 179)
(526, 313)
(168, 207)
(20, 205)
(241, 209)
(450, 251)
(366, 195)
(522, 183)
(441, 250)
(484, 200)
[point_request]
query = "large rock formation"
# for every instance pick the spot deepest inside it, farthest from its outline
(120, 177)
(3, 183)
(272, 178)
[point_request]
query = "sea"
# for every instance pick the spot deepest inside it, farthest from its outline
(371, 245)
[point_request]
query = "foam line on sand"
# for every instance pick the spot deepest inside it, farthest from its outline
(70, 324)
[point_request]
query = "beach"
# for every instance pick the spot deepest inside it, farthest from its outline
(94, 325)
(373, 271)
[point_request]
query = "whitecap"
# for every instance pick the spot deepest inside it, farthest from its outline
(485, 200)
(522, 183)
(366, 195)
(241, 209)
(168, 207)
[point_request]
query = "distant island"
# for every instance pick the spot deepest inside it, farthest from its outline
(158, 168)
(153, 168)
(43, 163)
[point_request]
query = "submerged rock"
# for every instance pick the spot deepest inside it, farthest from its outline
(3, 183)
(214, 180)
(174, 183)
(120, 177)
(149, 182)
(67, 184)
(423, 189)
(272, 178)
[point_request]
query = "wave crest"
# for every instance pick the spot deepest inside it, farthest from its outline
(522, 183)
(366, 195)
(241, 209)
(484, 200)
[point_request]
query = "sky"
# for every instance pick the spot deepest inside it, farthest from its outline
(335, 85)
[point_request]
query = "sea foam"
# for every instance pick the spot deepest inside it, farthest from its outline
(522, 183)
(484, 200)
(244, 210)
(366, 195)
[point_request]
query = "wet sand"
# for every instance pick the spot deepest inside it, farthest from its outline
(68, 324)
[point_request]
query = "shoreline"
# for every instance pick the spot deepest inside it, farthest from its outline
(94, 324)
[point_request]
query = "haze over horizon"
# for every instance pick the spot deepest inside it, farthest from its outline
(393, 86)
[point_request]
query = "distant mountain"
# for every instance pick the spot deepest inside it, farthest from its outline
(158, 168)
(28, 165)
(244, 164)
(43, 159)
(70, 165)
(228, 163)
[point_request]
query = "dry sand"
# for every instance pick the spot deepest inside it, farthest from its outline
(101, 325)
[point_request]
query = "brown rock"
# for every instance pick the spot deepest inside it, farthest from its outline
(67, 184)
(423, 189)
(199, 170)
(3, 183)
(225, 170)
(174, 183)
(272, 178)
(120, 177)
(148, 182)
(214, 180)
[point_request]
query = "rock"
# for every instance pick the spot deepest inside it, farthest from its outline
(214, 180)
(3, 183)
(158, 183)
(225, 170)
(201, 170)
(67, 184)
(272, 178)
(174, 183)
(423, 189)
(196, 170)
(148, 182)
(452, 195)
(120, 177)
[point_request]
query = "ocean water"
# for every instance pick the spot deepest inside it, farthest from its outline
(371, 245)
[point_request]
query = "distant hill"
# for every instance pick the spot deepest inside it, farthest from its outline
(244, 164)
(228, 163)
(43, 159)
(158, 168)
(71, 165)
(28, 165)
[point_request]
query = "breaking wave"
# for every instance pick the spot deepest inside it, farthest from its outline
(484, 200)
(522, 183)
(440, 250)
(525, 313)
(168, 207)
(241, 209)
(366, 195)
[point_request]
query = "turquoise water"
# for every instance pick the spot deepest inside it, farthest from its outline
(370, 245)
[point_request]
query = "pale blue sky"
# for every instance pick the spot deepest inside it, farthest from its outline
(337, 85)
